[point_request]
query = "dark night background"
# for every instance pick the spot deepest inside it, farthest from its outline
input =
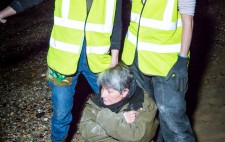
(25, 103)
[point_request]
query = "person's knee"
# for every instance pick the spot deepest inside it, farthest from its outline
(172, 115)
(60, 116)
(174, 119)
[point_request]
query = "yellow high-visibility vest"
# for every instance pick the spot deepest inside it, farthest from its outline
(71, 24)
(155, 33)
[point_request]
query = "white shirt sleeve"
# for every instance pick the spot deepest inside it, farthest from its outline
(187, 7)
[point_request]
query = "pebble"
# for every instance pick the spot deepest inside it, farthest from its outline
(45, 119)
(39, 115)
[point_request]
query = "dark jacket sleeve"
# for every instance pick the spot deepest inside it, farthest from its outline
(21, 5)
(116, 37)
(89, 129)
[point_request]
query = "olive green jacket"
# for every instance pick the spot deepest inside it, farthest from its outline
(102, 125)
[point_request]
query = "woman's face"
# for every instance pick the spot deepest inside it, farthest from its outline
(111, 96)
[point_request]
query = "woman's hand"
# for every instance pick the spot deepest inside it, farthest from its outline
(130, 116)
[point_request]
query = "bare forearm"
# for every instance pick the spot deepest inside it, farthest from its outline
(8, 11)
(187, 21)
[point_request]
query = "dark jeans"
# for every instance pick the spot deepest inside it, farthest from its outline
(174, 123)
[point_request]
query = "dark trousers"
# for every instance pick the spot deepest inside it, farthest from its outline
(174, 123)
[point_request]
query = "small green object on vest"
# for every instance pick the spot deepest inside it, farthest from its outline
(57, 78)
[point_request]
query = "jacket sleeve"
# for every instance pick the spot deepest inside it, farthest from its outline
(89, 129)
(187, 7)
(21, 5)
(116, 37)
(116, 126)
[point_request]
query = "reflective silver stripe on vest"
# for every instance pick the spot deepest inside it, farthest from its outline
(77, 49)
(165, 24)
(65, 9)
(97, 49)
(153, 47)
(64, 46)
(68, 23)
(103, 28)
(107, 27)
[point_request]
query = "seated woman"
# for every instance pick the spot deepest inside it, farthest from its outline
(122, 112)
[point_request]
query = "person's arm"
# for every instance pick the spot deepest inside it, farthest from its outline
(186, 9)
(180, 68)
(22, 5)
(116, 126)
(130, 116)
(89, 129)
(115, 57)
(187, 21)
(8, 11)
(116, 36)
(17, 6)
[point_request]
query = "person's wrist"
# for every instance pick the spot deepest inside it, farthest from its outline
(0, 17)
(182, 60)
(182, 56)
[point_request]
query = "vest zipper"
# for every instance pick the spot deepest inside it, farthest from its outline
(139, 24)
(136, 52)
(85, 34)
(138, 37)
(139, 27)
(86, 21)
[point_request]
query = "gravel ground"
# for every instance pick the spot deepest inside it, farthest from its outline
(25, 103)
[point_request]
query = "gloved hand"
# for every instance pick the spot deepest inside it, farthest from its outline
(180, 72)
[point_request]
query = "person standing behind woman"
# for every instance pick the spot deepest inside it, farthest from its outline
(85, 38)
(157, 48)
(16, 7)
